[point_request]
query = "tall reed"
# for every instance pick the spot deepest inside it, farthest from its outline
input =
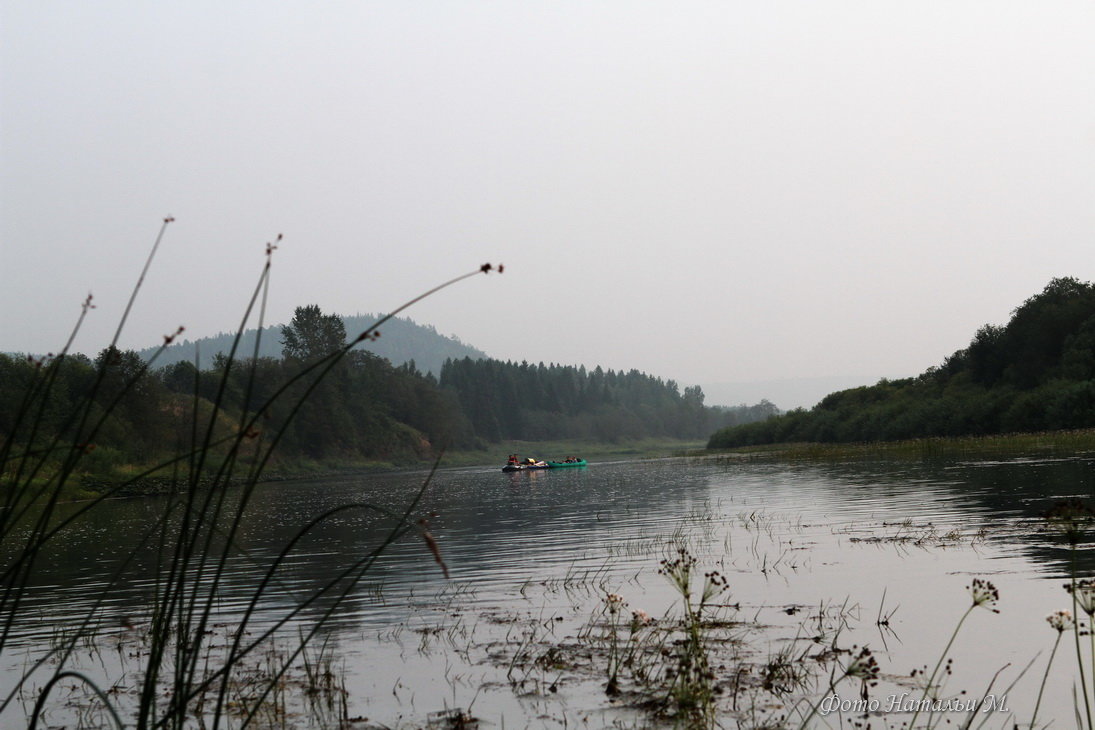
(1073, 517)
(194, 533)
(983, 594)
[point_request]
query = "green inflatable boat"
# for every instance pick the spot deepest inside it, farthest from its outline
(561, 464)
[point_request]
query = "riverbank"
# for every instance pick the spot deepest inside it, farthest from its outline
(590, 450)
(132, 480)
(1000, 445)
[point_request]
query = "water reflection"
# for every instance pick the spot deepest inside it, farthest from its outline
(496, 528)
(1008, 498)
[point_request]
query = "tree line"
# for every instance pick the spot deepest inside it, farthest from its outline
(323, 406)
(522, 401)
(1035, 373)
(363, 408)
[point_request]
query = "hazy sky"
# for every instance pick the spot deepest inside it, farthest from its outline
(706, 191)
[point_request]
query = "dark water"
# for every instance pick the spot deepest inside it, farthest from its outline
(543, 548)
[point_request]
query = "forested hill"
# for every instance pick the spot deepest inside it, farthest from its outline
(402, 340)
(1035, 373)
(322, 404)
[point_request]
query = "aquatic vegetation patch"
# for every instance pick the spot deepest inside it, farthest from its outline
(920, 535)
(277, 685)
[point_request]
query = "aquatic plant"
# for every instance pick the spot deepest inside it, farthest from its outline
(863, 667)
(1072, 517)
(983, 594)
(665, 661)
(614, 605)
(691, 694)
(1083, 597)
(1059, 621)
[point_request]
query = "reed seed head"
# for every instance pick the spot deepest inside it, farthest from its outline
(679, 571)
(864, 666)
(1061, 621)
(614, 602)
(984, 594)
(714, 583)
(1070, 516)
(168, 339)
(1084, 593)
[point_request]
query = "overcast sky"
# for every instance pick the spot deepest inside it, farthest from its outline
(722, 191)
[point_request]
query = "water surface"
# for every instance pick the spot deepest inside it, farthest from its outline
(532, 555)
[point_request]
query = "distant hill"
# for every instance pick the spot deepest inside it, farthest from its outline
(1036, 373)
(401, 341)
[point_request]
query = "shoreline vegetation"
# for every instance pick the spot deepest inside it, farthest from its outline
(125, 483)
(1066, 442)
(1032, 375)
(1057, 443)
(1012, 445)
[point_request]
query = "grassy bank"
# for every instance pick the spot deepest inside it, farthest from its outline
(143, 480)
(1003, 445)
(590, 450)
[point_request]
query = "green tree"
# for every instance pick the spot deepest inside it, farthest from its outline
(312, 335)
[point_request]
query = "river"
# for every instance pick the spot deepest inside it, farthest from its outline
(817, 558)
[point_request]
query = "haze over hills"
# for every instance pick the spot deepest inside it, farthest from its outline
(401, 341)
(787, 394)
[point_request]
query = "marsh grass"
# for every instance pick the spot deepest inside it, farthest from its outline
(181, 678)
(664, 664)
(105, 675)
(648, 448)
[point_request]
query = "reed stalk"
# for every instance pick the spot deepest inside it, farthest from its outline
(194, 535)
(1061, 621)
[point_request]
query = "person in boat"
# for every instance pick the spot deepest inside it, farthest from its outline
(512, 458)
